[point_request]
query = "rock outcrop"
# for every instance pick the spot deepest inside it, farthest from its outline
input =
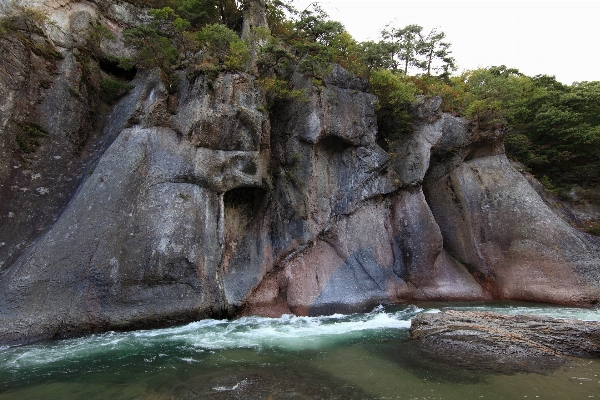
(203, 204)
(491, 337)
(498, 226)
(51, 117)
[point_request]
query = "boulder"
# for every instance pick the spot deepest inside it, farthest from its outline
(463, 334)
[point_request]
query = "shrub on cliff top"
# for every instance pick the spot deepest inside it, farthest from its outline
(224, 47)
(153, 48)
(395, 91)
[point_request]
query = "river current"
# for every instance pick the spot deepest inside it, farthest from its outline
(359, 356)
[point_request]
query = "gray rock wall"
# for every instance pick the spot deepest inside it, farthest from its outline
(46, 83)
(202, 204)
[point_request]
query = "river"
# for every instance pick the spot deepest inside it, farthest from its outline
(359, 356)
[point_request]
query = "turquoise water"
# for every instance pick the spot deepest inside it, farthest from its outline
(360, 356)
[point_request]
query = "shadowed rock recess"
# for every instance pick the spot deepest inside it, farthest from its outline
(169, 208)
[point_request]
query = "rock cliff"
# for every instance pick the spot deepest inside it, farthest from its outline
(169, 207)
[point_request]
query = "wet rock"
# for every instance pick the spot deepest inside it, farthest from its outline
(486, 335)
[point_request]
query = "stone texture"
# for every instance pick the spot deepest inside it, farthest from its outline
(201, 204)
(145, 240)
(255, 16)
(39, 172)
(51, 87)
(493, 221)
(385, 252)
(222, 118)
(459, 334)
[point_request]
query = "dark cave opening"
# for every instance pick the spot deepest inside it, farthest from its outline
(335, 144)
(112, 67)
(247, 200)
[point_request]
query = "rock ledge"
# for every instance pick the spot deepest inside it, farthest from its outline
(487, 334)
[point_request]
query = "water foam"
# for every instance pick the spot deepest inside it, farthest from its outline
(234, 387)
(290, 333)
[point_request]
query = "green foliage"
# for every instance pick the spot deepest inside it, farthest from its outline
(409, 47)
(74, 92)
(114, 89)
(168, 21)
(124, 63)
(554, 129)
(432, 49)
(564, 124)
(98, 32)
(26, 25)
(497, 89)
(279, 90)
(277, 19)
(314, 27)
(404, 46)
(28, 137)
(154, 49)
(198, 12)
(442, 87)
(18, 18)
(223, 47)
(594, 230)
(238, 58)
(396, 92)
(491, 96)
(312, 41)
(375, 55)
(204, 12)
(347, 52)
(485, 113)
(272, 56)
(153, 3)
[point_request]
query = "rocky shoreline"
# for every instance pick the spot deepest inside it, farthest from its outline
(487, 340)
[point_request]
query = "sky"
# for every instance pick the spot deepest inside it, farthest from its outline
(560, 38)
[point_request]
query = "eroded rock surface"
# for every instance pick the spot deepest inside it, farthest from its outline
(50, 114)
(201, 203)
(479, 334)
(496, 224)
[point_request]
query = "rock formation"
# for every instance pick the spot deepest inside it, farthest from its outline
(486, 340)
(202, 204)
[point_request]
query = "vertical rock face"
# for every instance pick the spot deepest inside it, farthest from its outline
(202, 204)
(255, 16)
(148, 237)
(50, 116)
(499, 226)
